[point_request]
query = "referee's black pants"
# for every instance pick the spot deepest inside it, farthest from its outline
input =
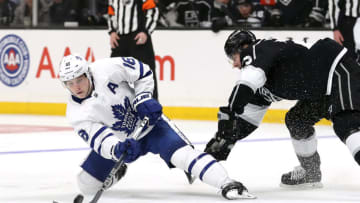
(145, 53)
(346, 27)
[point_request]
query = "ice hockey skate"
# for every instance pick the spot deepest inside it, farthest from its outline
(301, 178)
(307, 175)
(235, 190)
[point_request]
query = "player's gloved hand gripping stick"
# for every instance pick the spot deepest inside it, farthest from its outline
(79, 198)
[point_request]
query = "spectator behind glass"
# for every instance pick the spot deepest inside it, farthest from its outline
(23, 13)
(301, 13)
(167, 14)
(7, 9)
(250, 14)
(316, 17)
(193, 13)
(62, 11)
(222, 15)
(16, 2)
(92, 12)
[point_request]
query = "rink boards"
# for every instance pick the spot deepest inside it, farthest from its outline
(193, 73)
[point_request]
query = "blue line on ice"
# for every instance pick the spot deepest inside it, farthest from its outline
(195, 143)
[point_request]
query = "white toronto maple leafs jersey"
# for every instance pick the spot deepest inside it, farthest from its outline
(107, 115)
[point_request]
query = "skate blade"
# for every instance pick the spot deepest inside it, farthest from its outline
(247, 195)
(303, 186)
(79, 199)
(234, 195)
(190, 177)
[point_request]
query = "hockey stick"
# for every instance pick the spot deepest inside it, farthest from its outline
(79, 198)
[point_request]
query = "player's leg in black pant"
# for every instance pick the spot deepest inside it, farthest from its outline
(347, 128)
(124, 42)
(145, 53)
(300, 121)
(346, 100)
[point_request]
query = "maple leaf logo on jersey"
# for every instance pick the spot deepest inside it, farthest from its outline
(126, 116)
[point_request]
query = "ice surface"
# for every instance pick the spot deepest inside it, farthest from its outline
(40, 157)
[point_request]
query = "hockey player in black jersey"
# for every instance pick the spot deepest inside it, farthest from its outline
(325, 81)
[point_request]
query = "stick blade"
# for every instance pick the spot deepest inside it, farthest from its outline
(79, 198)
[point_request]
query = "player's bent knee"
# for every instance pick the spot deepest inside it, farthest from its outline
(347, 128)
(298, 129)
(87, 183)
(353, 143)
(346, 124)
(357, 158)
(183, 156)
(200, 164)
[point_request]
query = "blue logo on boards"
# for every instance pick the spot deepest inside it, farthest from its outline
(14, 60)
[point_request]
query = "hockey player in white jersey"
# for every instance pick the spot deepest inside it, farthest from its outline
(109, 98)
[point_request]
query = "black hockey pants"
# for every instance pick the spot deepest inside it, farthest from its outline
(342, 107)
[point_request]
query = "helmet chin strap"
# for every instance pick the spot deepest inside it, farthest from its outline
(91, 84)
(89, 90)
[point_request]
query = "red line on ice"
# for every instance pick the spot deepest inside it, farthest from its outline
(6, 128)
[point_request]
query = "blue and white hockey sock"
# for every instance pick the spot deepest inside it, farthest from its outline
(201, 165)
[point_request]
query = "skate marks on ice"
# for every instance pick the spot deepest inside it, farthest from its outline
(258, 162)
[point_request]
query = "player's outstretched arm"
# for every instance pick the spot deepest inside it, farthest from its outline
(230, 130)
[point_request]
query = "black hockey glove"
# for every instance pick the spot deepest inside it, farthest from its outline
(220, 145)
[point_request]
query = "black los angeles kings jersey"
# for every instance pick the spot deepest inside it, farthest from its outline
(292, 71)
(275, 70)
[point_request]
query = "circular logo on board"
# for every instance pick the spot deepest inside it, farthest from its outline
(14, 60)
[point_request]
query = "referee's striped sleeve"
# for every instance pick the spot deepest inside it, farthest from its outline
(152, 16)
(349, 8)
(111, 16)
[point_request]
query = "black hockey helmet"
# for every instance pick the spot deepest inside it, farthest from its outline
(237, 40)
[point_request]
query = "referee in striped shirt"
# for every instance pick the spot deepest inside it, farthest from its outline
(130, 24)
(343, 16)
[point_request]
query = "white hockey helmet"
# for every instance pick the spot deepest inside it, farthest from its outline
(73, 66)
